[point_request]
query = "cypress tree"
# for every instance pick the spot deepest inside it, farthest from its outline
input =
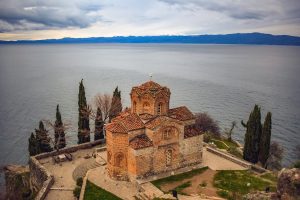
(265, 140)
(33, 147)
(59, 134)
(116, 104)
(43, 140)
(252, 136)
(83, 118)
(99, 124)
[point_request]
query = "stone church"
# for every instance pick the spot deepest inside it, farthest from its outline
(151, 138)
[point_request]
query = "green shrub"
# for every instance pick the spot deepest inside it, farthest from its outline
(223, 193)
(79, 181)
(203, 184)
(207, 137)
(76, 192)
(297, 164)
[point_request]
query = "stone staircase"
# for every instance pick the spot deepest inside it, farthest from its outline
(81, 170)
(148, 191)
(142, 196)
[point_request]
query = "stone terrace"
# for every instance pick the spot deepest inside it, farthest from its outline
(65, 173)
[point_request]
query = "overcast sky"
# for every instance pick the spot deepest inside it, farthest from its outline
(40, 19)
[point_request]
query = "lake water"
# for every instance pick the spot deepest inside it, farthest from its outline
(223, 80)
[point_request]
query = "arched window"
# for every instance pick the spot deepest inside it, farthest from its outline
(167, 134)
(159, 108)
(134, 107)
(168, 157)
(118, 159)
(146, 107)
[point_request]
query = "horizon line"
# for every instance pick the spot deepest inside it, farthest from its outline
(166, 35)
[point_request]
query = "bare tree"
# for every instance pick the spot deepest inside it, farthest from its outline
(230, 131)
(107, 105)
(103, 101)
(207, 124)
(275, 156)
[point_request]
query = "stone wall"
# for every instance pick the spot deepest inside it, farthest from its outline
(40, 178)
(191, 149)
(117, 148)
(71, 149)
(140, 162)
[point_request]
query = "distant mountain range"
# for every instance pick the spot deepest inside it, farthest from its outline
(236, 38)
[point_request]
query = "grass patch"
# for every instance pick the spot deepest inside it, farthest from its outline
(230, 143)
(224, 144)
(240, 182)
(269, 176)
(219, 144)
(182, 187)
(93, 192)
(229, 146)
(178, 177)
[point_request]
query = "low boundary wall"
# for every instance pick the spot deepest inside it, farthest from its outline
(40, 178)
(230, 157)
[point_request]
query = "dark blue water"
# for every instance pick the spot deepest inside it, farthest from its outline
(223, 80)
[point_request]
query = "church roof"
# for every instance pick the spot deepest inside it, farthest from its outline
(146, 116)
(125, 123)
(140, 141)
(150, 87)
(181, 113)
(160, 120)
(116, 127)
(191, 131)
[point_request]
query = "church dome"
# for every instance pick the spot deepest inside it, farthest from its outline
(151, 98)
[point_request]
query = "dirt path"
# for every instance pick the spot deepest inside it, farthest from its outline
(195, 187)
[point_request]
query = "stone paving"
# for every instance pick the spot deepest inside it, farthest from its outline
(64, 182)
(216, 162)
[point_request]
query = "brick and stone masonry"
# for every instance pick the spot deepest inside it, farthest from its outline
(150, 138)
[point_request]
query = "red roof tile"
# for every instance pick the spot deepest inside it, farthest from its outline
(181, 113)
(152, 88)
(132, 122)
(191, 130)
(128, 121)
(158, 120)
(146, 116)
(115, 127)
(140, 141)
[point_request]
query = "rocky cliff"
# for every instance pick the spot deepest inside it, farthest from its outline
(17, 182)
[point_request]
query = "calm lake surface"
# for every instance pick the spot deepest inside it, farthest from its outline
(223, 80)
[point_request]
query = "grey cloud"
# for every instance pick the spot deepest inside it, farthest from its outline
(36, 15)
(234, 9)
